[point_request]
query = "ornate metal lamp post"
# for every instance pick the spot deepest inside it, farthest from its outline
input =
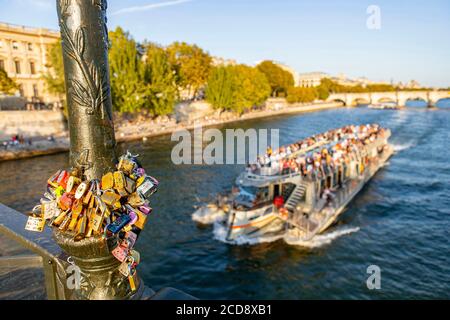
(85, 50)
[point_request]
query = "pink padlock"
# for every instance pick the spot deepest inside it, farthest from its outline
(131, 237)
(133, 216)
(120, 252)
(145, 209)
(140, 171)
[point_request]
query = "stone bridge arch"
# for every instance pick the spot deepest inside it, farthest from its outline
(436, 96)
(400, 97)
(361, 100)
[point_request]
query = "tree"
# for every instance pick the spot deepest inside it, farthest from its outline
(322, 93)
(160, 79)
(7, 85)
(54, 78)
(279, 79)
(219, 91)
(329, 86)
(128, 89)
(252, 88)
(192, 66)
(237, 88)
(301, 94)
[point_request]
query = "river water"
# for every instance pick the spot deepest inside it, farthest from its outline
(399, 222)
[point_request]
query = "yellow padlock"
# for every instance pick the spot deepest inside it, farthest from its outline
(141, 221)
(108, 181)
(81, 228)
(140, 181)
(133, 279)
(119, 180)
(110, 198)
(59, 219)
(65, 223)
(135, 200)
(87, 198)
(97, 220)
(126, 165)
(74, 221)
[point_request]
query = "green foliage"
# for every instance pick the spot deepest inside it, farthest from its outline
(140, 84)
(160, 79)
(237, 88)
(220, 88)
(328, 86)
(7, 85)
(192, 65)
(128, 89)
(380, 88)
(54, 78)
(252, 88)
(280, 80)
(322, 93)
(300, 94)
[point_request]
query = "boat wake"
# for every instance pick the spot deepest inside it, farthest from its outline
(205, 216)
(402, 146)
(322, 239)
(208, 214)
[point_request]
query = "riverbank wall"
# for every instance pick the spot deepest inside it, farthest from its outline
(145, 128)
(31, 123)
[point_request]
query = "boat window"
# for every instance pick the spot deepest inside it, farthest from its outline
(276, 190)
(335, 178)
(320, 185)
(328, 184)
(251, 197)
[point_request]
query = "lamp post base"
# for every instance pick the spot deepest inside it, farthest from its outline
(98, 270)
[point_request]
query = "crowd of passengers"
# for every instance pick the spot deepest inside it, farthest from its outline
(339, 146)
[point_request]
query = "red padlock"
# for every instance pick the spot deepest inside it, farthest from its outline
(66, 201)
(52, 181)
(63, 178)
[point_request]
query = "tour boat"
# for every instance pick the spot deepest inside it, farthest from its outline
(304, 199)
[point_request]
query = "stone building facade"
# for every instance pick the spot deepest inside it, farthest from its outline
(23, 55)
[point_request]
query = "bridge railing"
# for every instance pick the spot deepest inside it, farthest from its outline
(47, 256)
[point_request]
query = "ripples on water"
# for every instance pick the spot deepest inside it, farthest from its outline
(400, 221)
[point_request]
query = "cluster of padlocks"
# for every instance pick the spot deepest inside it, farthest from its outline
(118, 205)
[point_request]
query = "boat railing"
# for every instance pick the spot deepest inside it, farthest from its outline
(262, 175)
(266, 171)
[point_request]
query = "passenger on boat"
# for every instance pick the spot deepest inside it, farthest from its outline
(328, 196)
(327, 159)
(278, 202)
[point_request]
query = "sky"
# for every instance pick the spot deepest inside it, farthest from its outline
(411, 40)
